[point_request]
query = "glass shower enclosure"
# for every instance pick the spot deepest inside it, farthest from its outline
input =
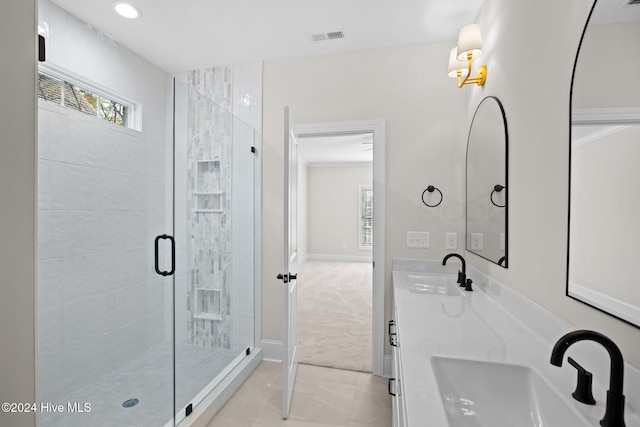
(146, 261)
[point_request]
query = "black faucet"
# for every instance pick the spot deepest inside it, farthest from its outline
(462, 275)
(614, 412)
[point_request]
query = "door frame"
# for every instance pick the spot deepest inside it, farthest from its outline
(377, 128)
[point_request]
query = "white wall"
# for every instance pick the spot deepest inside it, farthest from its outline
(333, 216)
(529, 70)
(18, 121)
(599, 61)
(409, 88)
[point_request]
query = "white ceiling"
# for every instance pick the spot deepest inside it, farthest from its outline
(179, 35)
(319, 151)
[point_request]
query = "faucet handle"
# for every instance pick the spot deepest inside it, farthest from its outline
(583, 391)
(467, 286)
(460, 279)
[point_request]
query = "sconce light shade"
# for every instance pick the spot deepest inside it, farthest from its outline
(469, 41)
(455, 65)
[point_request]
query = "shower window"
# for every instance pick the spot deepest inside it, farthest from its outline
(76, 97)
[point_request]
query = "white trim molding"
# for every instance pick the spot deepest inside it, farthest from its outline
(377, 128)
(605, 116)
(271, 350)
(336, 258)
(618, 308)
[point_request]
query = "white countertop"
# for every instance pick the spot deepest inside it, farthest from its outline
(474, 326)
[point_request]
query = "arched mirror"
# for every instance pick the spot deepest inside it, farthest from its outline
(604, 205)
(487, 189)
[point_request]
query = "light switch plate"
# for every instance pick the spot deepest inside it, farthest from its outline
(418, 239)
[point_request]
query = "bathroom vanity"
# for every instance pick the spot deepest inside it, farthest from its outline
(482, 358)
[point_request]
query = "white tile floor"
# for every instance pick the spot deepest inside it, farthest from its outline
(322, 397)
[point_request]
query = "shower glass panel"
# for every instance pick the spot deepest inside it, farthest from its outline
(105, 329)
(214, 216)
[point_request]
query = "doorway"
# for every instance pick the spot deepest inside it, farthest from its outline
(343, 173)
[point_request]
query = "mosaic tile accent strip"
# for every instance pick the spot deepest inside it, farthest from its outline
(209, 185)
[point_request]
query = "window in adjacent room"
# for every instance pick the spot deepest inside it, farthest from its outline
(365, 241)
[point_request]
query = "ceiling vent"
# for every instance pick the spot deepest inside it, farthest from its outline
(331, 35)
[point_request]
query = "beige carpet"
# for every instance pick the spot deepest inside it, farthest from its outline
(334, 315)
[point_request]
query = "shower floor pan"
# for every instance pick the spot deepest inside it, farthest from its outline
(140, 379)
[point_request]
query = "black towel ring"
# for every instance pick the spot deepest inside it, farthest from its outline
(431, 189)
(496, 189)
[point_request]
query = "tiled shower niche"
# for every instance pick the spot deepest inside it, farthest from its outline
(209, 198)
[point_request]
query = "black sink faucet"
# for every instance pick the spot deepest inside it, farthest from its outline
(462, 275)
(614, 412)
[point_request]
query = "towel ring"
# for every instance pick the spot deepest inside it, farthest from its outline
(431, 189)
(497, 189)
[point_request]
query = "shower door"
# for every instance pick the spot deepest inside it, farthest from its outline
(105, 315)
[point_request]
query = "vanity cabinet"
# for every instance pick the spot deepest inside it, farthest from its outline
(493, 328)
(396, 381)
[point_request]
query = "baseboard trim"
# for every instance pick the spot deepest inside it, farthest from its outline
(271, 350)
(337, 258)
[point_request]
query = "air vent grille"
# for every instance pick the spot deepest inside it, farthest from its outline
(331, 35)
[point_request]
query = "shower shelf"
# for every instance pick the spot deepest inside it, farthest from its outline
(207, 305)
(207, 316)
(207, 195)
(209, 201)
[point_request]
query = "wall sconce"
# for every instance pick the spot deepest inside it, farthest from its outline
(469, 47)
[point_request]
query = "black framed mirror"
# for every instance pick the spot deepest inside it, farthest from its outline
(487, 186)
(604, 209)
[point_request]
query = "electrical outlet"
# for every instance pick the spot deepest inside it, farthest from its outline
(451, 240)
(476, 241)
(418, 239)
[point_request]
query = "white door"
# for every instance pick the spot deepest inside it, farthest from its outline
(290, 268)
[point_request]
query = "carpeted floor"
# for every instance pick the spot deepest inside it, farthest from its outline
(334, 315)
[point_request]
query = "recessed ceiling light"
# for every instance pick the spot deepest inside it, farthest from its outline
(127, 10)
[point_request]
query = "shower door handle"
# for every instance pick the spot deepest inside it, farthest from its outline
(173, 255)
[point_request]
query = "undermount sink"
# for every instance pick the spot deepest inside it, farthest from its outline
(433, 284)
(479, 394)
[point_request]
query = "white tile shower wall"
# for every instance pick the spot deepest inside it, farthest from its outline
(247, 93)
(101, 198)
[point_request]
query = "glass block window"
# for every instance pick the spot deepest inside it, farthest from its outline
(71, 95)
(366, 217)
